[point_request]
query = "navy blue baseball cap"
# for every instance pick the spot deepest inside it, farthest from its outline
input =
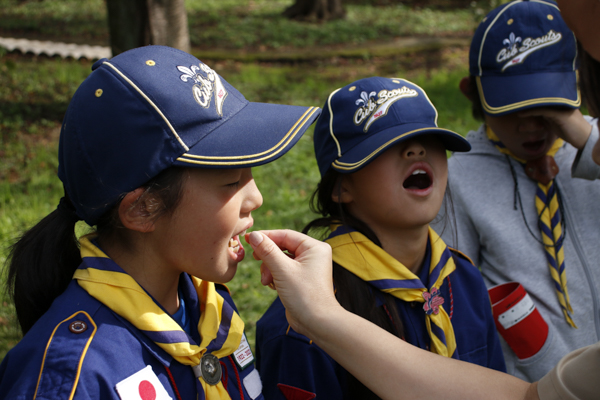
(154, 107)
(363, 119)
(523, 55)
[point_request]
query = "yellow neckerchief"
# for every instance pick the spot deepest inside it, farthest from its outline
(220, 327)
(548, 207)
(353, 251)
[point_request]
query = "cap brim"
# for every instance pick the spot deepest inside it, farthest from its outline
(259, 133)
(361, 155)
(505, 94)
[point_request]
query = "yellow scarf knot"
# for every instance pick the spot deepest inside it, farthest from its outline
(360, 256)
(219, 326)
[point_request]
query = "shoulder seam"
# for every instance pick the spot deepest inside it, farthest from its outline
(81, 358)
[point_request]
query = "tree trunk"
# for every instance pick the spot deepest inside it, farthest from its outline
(315, 10)
(169, 24)
(127, 24)
(136, 23)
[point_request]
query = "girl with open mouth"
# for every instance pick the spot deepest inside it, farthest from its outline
(384, 170)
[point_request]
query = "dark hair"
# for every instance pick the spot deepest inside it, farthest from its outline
(589, 84)
(473, 94)
(354, 294)
(42, 261)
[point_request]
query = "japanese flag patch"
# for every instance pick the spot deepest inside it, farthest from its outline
(143, 385)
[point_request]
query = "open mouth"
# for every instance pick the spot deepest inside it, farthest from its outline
(534, 146)
(234, 247)
(234, 243)
(418, 180)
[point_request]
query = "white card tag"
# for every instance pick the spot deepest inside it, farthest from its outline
(517, 313)
(143, 385)
(243, 355)
(253, 384)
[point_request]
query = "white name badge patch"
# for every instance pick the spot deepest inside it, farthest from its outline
(143, 385)
(243, 355)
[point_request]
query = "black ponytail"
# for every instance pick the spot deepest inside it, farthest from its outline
(41, 264)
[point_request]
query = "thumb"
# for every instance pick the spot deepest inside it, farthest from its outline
(304, 283)
(264, 248)
(268, 252)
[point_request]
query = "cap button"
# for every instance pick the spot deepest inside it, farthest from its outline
(98, 63)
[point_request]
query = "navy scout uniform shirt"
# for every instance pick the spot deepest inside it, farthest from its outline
(290, 365)
(92, 349)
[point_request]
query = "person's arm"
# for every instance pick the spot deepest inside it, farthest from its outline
(568, 124)
(578, 130)
(585, 166)
(390, 367)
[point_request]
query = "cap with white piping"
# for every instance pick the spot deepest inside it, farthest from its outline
(366, 117)
(523, 55)
(154, 107)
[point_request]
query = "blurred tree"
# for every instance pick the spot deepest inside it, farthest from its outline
(315, 10)
(135, 23)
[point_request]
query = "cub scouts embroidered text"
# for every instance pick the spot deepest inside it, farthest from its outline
(516, 55)
(378, 108)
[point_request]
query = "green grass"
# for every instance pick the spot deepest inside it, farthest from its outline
(77, 21)
(262, 26)
(236, 24)
(34, 94)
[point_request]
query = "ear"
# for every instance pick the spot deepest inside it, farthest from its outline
(340, 193)
(137, 211)
(468, 87)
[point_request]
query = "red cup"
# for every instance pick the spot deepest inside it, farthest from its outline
(517, 319)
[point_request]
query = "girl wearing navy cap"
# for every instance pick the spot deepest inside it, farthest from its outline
(523, 213)
(152, 155)
(383, 166)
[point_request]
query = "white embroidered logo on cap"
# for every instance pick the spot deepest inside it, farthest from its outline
(205, 86)
(372, 109)
(143, 385)
(512, 54)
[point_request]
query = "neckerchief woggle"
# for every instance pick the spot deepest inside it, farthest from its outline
(360, 256)
(220, 327)
(548, 208)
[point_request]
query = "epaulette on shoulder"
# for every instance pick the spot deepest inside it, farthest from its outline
(461, 254)
(64, 355)
(292, 333)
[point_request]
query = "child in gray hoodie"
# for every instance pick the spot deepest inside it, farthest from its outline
(520, 214)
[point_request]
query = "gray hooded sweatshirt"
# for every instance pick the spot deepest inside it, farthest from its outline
(490, 227)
